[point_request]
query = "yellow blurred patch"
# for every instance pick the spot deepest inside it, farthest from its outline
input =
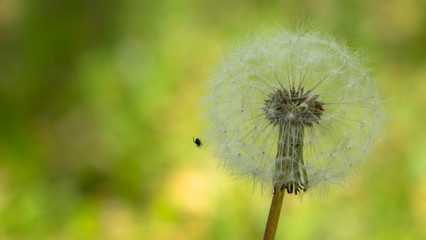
(188, 190)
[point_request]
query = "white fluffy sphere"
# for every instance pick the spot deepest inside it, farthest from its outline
(299, 92)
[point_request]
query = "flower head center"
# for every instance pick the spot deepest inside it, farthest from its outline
(293, 107)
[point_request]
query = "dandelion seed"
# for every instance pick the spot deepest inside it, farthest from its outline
(292, 110)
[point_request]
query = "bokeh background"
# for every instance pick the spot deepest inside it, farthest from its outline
(98, 109)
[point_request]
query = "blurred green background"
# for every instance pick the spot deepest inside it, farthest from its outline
(98, 110)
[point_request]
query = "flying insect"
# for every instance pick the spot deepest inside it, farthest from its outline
(197, 142)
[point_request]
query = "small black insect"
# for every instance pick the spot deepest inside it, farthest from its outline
(197, 142)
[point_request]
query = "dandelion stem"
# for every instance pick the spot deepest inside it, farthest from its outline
(289, 164)
(274, 214)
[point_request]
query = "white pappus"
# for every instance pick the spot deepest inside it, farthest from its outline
(291, 109)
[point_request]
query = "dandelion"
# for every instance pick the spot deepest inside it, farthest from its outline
(296, 111)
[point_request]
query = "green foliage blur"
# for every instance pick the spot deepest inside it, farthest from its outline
(98, 107)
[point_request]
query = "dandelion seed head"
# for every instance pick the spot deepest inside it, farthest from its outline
(292, 109)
